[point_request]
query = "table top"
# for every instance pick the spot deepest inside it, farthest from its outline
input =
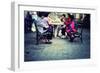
(56, 23)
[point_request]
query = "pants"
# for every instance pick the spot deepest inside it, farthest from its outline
(63, 31)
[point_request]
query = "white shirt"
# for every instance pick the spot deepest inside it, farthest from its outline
(42, 23)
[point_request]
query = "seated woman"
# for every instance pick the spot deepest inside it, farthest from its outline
(70, 26)
(44, 27)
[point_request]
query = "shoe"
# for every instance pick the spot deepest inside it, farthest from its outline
(71, 39)
(63, 36)
(72, 36)
(48, 42)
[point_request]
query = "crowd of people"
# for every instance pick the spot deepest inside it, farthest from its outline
(69, 25)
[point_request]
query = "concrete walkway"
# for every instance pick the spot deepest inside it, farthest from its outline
(60, 49)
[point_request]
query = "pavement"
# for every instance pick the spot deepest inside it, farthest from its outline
(59, 49)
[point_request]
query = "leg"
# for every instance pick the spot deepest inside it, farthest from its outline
(71, 36)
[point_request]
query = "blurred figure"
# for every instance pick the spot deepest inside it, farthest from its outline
(44, 27)
(63, 27)
(28, 22)
(71, 30)
(70, 26)
(86, 21)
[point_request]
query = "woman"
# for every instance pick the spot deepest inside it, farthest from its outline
(71, 30)
(63, 27)
(70, 26)
(44, 27)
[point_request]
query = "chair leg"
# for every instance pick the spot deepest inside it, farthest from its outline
(37, 39)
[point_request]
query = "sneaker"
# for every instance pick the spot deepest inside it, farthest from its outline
(63, 36)
(72, 36)
(48, 42)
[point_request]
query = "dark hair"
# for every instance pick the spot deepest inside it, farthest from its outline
(72, 17)
(64, 15)
(61, 20)
(28, 13)
(45, 14)
(69, 15)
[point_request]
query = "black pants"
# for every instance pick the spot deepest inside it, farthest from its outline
(63, 31)
(49, 33)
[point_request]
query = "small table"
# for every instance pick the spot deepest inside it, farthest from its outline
(55, 28)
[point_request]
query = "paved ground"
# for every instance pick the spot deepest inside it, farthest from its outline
(60, 49)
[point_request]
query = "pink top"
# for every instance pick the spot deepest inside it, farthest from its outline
(67, 21)
(72, 27)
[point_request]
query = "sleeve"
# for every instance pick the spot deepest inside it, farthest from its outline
(73, 26)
